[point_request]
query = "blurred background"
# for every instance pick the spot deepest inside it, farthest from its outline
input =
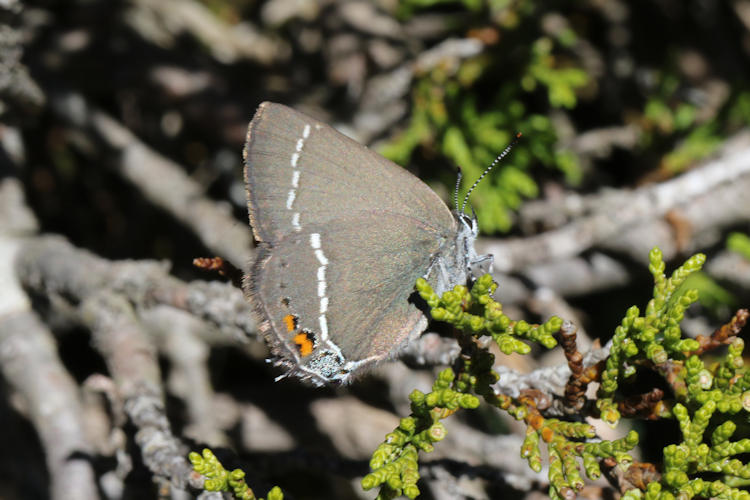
(121, 130)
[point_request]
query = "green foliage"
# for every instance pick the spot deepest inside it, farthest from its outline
(560, 83)
(394, 464)
(472, 139)
(700, 142)
(710, 401)
(675, 124)
(738, 114)
(220, 479)
(664, 113)
(447, 115)
(723, 389)
(693, 456)
(486, 317)
(711, 295)
(564, 449)
(654, 337)
(467, 110)
(406, 8)
(740, 243)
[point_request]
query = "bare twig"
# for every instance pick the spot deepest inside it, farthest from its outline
(573, 276)
(162, 181)
(178, 335)
(131, 359)
(730, 267)
(724, 334)
(163, 21)
(52, 267)
(550, 380)
(709, 197)
(18, 91)
(30, 363)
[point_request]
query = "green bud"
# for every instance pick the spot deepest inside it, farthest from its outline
(437, 432)
(407, 424)
(439, 314)
(411, 491)
(476, 324)
(416, 396)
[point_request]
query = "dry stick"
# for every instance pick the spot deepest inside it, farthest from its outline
(177, 334)
(384, 99)
(162, 181)
(70, 276)
(52, 267)
(695, 194)
(730, 267)
(19, 92)
(644, 405)
(692, 226)
(595, 143)
(163, 22)
(30, 363)
(706, 217)
(132, 362)
(55, 268)
(166, 185)
(566, 278)
(549, 380)
(723, 335)
(105, 294)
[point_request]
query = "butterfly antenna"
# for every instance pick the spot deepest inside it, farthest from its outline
(487, 170)
(455, 191)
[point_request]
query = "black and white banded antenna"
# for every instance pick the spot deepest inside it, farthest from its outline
(455, 191)
(486, 171)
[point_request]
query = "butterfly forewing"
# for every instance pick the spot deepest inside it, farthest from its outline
(299, 170)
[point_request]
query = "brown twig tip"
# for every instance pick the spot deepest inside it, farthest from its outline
(567, 335)
(639, 474)
(224, 268)
(646, 405)
(535, 398)
(724, 334)
(734, 327)
(575, 389)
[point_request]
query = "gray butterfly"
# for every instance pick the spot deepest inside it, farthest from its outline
(343, 235)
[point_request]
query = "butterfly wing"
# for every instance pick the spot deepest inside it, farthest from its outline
(299, 170)
(337, 299)
(344, 234)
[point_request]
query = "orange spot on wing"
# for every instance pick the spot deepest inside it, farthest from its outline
(291, 322)
(305, 344)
